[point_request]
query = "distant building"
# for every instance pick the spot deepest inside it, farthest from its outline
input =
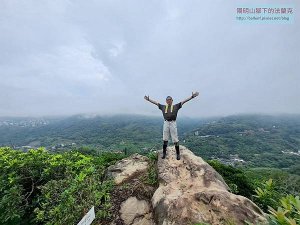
(291, 152)
(263, 130)
(26, 146)
(246, 132)
(206, 136)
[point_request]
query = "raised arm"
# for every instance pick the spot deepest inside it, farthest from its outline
(152, 101)
(194, 95)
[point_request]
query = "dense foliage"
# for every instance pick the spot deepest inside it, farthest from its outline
(39, 187)
(284, 183)
(281, 210)
(235, 178)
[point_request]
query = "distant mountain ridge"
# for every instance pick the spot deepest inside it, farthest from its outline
(258, 140)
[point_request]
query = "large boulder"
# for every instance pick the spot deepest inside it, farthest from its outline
(128, 168)
(131, 197)
(190, 191)
(136, 212)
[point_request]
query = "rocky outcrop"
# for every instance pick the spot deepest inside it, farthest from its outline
(137, 212)
(191, 191)
(128, 167)
(131, 198)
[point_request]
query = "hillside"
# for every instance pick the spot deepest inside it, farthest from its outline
(103, 132)
(255, 141)
(249, 140)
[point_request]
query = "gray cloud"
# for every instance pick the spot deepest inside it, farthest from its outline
(68, 57)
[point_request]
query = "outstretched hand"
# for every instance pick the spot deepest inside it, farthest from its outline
(147, 97)
(195, 94)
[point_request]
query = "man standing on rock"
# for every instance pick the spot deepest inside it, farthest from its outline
(170, 127)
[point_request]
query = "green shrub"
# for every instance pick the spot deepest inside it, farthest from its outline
(235, 178)
(152, 174)
(266, 195)
(288, 213)
(38, 187)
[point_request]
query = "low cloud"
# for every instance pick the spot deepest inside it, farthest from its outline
(69, 57)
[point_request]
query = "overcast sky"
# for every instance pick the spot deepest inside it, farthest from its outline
(61, 57)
